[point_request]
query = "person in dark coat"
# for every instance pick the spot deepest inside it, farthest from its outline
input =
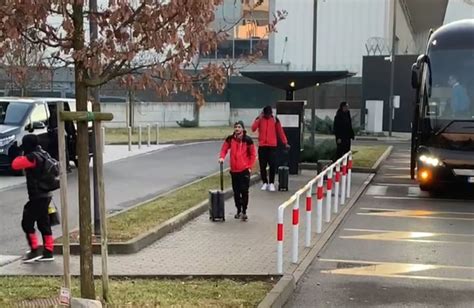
(343, 129)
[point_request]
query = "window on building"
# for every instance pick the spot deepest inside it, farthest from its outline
(247, 29)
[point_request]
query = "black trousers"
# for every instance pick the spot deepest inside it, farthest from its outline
(266, 156)
(240, 186)
(343, 147)
(36, 210)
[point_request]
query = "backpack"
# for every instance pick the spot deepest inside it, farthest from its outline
(49, 178)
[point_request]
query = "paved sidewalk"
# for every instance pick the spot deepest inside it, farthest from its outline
(111, 153)
(203, 247)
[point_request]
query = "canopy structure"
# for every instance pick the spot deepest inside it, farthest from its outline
(291, 81)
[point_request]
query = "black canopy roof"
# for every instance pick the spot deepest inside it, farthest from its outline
(301, 79)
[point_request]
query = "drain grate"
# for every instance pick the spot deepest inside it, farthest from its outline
(39, 303)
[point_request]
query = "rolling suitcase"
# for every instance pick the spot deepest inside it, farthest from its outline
(216, 200)
(283, 172)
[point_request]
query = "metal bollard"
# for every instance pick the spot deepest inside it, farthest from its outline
(139, 136)
(103, 139)
(349, 176)
(319, 205)
(327, 211)
(157, 133)
(129, 139)
(309, 202)
(343, 182)
(280, 240)
(148, 135)
(296, 221)
(336, 187)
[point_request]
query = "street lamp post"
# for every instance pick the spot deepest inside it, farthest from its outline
(392, 69)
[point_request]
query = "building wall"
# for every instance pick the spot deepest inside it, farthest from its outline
(457, 10)
(293, 43)
(344, 26)
(406, 43)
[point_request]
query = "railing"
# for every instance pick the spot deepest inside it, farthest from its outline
(339, 174)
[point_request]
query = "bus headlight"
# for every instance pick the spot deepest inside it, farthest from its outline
(430, 160)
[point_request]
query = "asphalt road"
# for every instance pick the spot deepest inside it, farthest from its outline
(398, 247)
(127, 182)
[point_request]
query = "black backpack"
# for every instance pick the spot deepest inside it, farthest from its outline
(49, 178)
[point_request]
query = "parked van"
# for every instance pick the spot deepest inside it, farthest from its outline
(20, 116)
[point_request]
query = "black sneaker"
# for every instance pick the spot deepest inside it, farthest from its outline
(244, 217)
(237, 216)
(31, 256)
(46, 257)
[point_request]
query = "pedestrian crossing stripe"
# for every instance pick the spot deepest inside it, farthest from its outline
(393, 270)
(409, 236)
(423, 214)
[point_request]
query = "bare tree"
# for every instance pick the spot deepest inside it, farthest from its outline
(144, 44)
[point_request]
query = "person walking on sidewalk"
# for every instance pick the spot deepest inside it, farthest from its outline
(36, 209)
(242, 159)
(343, 130)
(269, 130)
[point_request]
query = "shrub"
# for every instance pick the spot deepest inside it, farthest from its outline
(188, 123)
(324, 150)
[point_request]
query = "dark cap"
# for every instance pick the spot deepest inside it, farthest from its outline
(29, 143)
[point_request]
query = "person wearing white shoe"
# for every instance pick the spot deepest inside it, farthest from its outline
(269, 131)
(242, 159)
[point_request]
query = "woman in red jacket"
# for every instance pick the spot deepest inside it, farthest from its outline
(242, 159)
(269, 130)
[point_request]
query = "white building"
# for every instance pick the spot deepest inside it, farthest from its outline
(346, 30)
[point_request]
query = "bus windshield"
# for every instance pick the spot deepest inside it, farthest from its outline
(451, 93)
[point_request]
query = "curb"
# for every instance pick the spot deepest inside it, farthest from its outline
(141, 241)
(283, 290)
(384, 156)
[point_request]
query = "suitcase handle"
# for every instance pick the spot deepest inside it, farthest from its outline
(221, 165)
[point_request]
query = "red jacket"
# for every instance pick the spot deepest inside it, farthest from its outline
(242, 152)
(268, 131)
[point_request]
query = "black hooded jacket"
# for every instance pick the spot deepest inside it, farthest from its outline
(343, 125)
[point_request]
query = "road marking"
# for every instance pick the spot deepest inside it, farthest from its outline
(393, 270)
(417, 214)
(396, 184)
(414, 191)
(418, 198)
(396, 168)
(406, 236)
(376, 190)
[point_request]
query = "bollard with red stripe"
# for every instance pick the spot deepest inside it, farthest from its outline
(337, 179)
(309, 210)
(296, 223)
(319, 203)
(280, 231)
(327, 216)
(349, 175)
(343, 180)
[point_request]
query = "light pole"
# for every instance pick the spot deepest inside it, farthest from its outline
(392, 68)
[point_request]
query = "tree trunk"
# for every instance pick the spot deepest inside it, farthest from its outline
(196, 113)
(85, 228)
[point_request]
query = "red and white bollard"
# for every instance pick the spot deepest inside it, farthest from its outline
(296, 223)
(309, 205)
(327, 216)
(319, 204)
(280, 240)
(349, 175)
(337, 179)
(343, 181)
